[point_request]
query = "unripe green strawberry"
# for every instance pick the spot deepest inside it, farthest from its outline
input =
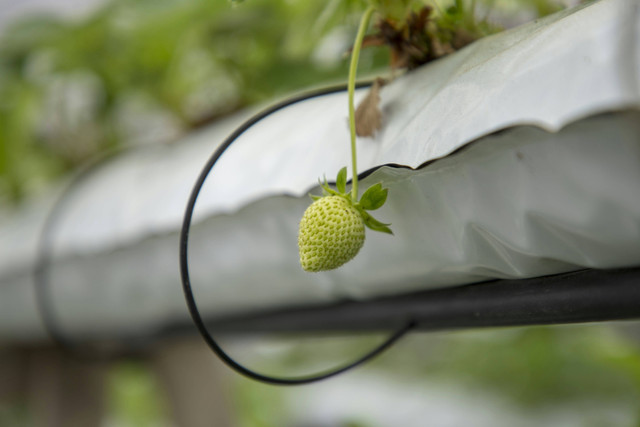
(332, 228)
(331, 233)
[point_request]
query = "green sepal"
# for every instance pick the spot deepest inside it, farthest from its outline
(374, 224)
(374, 197)
(314, 197)
(326, 190)
(341, 180)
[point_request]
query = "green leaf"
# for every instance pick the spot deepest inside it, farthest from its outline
(326, 190)
(341, 180)
(374, 197)
(374, 224)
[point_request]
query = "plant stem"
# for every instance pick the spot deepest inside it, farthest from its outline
(355, 54)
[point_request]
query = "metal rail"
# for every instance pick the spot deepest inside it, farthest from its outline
(582, 296)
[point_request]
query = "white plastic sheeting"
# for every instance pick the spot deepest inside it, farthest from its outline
(544, 196)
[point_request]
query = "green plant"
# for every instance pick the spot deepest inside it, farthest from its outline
(332, 228)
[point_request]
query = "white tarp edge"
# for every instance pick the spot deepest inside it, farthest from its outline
(522, 203)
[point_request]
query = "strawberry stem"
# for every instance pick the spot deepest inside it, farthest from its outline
(355, 54)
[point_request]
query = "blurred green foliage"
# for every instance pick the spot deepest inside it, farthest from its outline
(140, 71)
(68, 90)
(545, 365)
(536, 370)
(132, 397)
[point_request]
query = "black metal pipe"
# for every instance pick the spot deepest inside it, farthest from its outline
(582, 296)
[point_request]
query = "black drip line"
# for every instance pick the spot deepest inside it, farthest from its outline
(184, 265)
(42, 266)
(42, 279)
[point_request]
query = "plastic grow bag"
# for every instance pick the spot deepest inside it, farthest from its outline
(516, 157)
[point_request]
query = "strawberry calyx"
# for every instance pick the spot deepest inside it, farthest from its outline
(373, 198)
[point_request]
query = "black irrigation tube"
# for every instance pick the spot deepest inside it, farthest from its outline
(184, 264)
(42, 267)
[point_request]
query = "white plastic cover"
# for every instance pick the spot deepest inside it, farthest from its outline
(519, 203)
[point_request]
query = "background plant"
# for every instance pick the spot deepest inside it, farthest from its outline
(148, 71)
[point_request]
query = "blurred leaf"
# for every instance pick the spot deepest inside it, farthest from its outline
(368, 115)
(191, 61)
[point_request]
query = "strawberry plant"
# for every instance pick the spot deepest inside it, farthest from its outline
(332, 229)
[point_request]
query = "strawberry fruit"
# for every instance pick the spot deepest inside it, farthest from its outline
(332, 229)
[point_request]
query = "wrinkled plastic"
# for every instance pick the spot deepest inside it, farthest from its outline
(542, 197)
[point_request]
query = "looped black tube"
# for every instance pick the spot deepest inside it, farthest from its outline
(42, 281)
(184, 265)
